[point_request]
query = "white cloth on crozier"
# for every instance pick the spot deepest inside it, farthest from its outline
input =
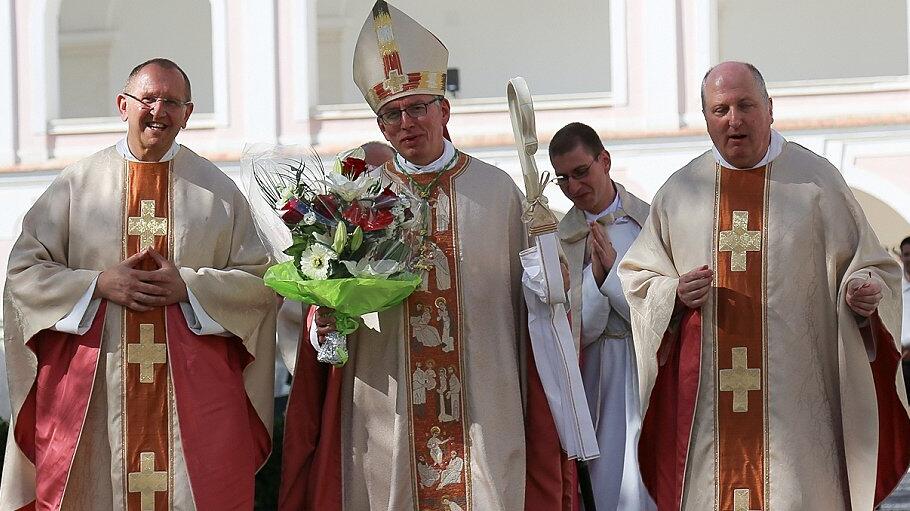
(554, 350)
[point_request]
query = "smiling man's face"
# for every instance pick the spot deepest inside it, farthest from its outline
(151, 131)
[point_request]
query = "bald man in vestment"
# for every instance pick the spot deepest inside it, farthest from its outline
(139, 336)
(766, 318)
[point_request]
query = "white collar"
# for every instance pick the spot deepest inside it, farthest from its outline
(904, 284)
(124, 149)
(448, 153)
(774, 150)
(615, 205)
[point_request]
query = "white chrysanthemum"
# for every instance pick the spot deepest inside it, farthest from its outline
(309, 218)
(316, 260)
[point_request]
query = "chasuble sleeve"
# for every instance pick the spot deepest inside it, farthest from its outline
(41, 286)
(234, 295)
(868, 390)
(649, 278)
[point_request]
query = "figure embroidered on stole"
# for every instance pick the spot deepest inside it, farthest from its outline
(435, 363)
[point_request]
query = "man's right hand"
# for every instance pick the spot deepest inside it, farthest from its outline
(325, 322)
(123, 285)
(603, 255)
(693, 287)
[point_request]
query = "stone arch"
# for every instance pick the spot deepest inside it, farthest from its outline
(890, 225)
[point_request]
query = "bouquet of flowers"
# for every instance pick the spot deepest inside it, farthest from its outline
(358, 246)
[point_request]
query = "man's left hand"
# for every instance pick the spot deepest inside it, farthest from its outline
(863, 296)
(167, 276)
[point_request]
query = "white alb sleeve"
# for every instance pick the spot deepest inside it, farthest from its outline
(79, 320)
(198, 321)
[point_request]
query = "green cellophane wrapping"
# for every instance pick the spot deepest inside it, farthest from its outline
(350, 297)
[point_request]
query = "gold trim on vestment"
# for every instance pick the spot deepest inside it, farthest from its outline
(740, 338)
(439, 436)
(146, 399)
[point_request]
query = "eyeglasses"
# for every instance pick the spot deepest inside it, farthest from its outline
(166, 103)
(577, 175)
(415, 111)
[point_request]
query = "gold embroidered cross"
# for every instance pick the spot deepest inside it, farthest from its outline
(740, 380)
(147, 481)
(146, 353)
(741, 500)
(146, 225)
(739, 240)
(395, 82)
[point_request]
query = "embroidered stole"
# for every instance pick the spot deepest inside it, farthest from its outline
(147, 399)
(741, 348)
(433, 322)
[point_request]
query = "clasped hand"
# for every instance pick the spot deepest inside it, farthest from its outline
(142, 290)
(603, 255)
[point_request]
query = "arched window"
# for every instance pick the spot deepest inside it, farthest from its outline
(100, 41)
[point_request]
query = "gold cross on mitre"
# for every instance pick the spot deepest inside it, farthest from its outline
(146, 225)
(739, 240)
(740, 380)
(394, 83)
(146, 353)
(741, 500)
(147, 481)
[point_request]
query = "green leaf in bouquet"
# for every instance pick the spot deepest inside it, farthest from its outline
(297, 248)
(341, 237)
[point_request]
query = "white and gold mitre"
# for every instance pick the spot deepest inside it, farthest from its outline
(396, 57)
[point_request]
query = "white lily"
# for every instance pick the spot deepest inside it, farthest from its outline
(365, 268)
(348, 190)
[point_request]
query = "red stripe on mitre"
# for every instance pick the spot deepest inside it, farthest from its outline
(392, 62)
